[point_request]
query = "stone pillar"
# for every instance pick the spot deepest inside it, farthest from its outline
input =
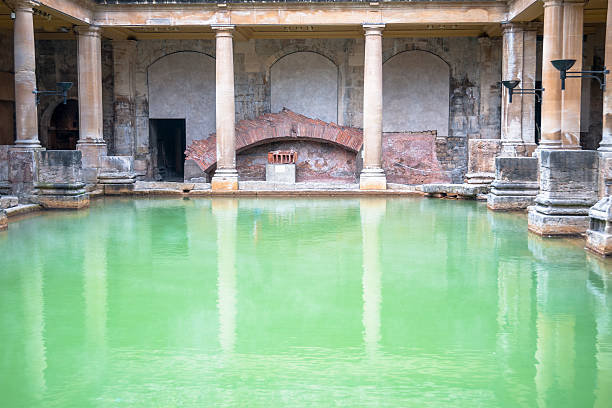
(91, 141)
(606, 138)
(372, 176)
(568, 188)
(25, 76)
(551, 81)
(518, 117)
(226, 176)
(124, 56)
(573, 11)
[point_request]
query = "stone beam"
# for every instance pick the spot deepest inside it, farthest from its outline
(74, 10)
(300, 14)
(524, 10)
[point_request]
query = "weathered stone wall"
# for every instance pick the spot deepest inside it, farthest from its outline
(56, 61)
(316, 162)
(254, 59)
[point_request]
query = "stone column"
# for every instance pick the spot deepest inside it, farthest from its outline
(226, 176)
(606, 138)
(124, 54)
(519, 62)
(91, 141)
(551, 81)
(25, 76)
(573, 11)
(372, 176)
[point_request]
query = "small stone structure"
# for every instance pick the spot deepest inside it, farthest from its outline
(281, 166)
(117, 175)
(481, 160)
(5, 186)
(516, 183)
(599, 234)
(59, 179)
(568, 188)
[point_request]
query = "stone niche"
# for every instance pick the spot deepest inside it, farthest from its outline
(316, 161)
(59, 180)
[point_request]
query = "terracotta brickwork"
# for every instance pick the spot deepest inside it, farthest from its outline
(273, 127)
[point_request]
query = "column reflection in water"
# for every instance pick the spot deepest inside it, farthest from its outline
(34, 358)
(600, 287)
(95, 291)
(225, 211)
(565, 330)
(372, 211)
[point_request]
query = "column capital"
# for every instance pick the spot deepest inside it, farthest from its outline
(552, 3)
(223, 30)
(88, 31)
(23, 5)
(373, 28)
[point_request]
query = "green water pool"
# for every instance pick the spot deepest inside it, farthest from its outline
(299, 303)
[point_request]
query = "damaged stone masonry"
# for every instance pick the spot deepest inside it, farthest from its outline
(370, 95)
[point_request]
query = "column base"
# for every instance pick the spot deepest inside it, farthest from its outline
(92, 151)
(555, 224)
(225, 180)
(599, 242)
(481, 178)
(599, 237)
(32, 144)
(512, 196)
(372, 179)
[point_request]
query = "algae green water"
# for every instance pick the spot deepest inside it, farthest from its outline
(299, 303)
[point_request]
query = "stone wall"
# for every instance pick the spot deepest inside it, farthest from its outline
(254, 59)
(56, 61)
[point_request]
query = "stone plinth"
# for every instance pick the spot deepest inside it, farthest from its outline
(117, 183)
(22, 171)
(481, 160)
(599, 234)
(59, 182)
(8, 202)
(280, 173)
(568, 188)
(3, 220)
(516, 183)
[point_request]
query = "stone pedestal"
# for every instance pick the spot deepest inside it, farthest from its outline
(5, 186)
(117, 175)
(22, 172)
(481, 160)
(59, 182)
(568, 188)
(516, 184)
(599, 234)
(280, 173)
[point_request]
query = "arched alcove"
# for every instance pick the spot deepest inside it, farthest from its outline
(416, 93)
(306, 83)
(63, 129)
(181, 105)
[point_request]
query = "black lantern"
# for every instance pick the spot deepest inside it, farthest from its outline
(565, 64)
(61, 88)
(512, 84)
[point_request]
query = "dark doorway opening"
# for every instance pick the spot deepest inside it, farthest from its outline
(63, 132)
(168, 136)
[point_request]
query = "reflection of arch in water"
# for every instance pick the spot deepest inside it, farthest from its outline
(416, 89)
(60, 125)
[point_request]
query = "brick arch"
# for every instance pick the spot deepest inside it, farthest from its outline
(273, 127)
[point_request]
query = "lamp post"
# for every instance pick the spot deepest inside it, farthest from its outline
(564, 64)
(61, 89)
(512, 84)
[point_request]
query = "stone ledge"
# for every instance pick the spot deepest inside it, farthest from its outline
(556, 225)
(460, 190)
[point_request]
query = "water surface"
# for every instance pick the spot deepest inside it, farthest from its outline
(299, 303)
